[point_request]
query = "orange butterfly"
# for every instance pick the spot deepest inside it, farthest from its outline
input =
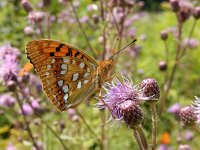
(68, 74)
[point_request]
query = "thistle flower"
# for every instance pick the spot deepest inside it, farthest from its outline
(11, 147)
(174, 109)
(122, 99)
(8, 63)
(35, 104)
(7, 100)
(36, 16)
(28, 30)
(191, 43)
(184, 147)
(27, 109)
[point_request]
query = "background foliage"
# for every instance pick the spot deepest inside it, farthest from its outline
(140, 61)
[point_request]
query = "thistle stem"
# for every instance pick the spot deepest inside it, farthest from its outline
(137, 137)
(174, 68)
(103, 137)
(26, 121)
(154, 124)
(142, 137)
(189, 37)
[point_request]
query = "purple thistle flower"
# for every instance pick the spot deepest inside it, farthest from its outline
(7, 100)
(191, 43)
(174, 109)
(184, 147)
(27, 109)
(122, 99)
(92, 7)
(84, 19)
(188, 135)
(10, 147)
(28, 30)
(35, 104)
(8, 63)
(6, 50)
(36, 16)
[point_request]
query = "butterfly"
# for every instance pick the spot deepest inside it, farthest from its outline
(67, 73)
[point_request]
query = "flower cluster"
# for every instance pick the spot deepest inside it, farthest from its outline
(8, 63)
(123, 99)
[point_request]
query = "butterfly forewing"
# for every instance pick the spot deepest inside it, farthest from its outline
(65, 71)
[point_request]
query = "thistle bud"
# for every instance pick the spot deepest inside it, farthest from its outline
(11, 85)
(163, 35)
(131, 113)
(174, 5)
(188, 116)
(27, 6)
(95, 18)
(162, 66)
(185, 11)
(196, 13)
(150, 88)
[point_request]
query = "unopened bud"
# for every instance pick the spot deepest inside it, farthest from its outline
(164, 35)
(162, 66)
(196, 13)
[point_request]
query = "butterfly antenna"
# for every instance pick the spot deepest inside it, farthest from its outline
(123, 48)
(114, 44)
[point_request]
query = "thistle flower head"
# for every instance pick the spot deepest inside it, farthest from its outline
(122, 99)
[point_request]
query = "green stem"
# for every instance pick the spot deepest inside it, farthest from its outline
(142, 137)
(26, 121)
(137, 137)
(189, 37)
(154, 125)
